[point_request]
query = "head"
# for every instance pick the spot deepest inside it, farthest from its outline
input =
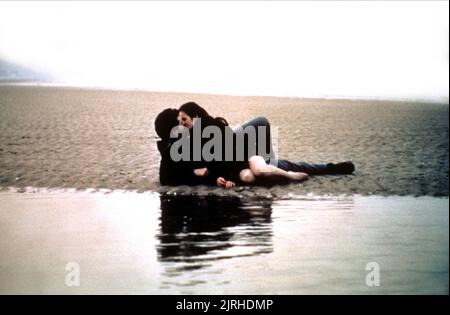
(185, 120)
(165, 121)
(188, 112)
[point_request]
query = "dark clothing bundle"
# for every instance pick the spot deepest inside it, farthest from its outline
(176, 173)
(182, 172)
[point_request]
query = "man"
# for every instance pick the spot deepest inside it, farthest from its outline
(171, 172)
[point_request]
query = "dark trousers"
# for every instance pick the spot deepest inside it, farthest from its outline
(308, 168)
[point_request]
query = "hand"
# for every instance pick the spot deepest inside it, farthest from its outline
(221, 181)
(201, 172)
(229, 184)
(224, 183)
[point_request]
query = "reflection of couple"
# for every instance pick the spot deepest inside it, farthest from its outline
(198, 229)
(252, 170)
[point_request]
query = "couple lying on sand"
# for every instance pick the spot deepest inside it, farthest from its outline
(214, 154)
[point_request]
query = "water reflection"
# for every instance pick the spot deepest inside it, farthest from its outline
(196, 230)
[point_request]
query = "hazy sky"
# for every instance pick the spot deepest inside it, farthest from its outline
(380, 49)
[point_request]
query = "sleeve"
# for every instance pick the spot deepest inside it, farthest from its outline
(176, 173)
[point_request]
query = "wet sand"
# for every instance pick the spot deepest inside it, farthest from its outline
(75, 138)
(126, 242)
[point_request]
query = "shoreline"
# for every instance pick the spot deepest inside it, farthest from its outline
(199, 192)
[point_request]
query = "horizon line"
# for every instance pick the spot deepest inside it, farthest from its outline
(34, 83)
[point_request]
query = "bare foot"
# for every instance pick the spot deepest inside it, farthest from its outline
(297, 176)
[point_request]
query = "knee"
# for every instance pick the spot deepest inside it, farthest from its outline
(246, 176)
(256, 164)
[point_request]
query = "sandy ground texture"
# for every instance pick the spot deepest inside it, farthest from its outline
(79, 138)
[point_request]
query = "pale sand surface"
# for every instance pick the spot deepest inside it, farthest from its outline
(125, 242)
(74, 138)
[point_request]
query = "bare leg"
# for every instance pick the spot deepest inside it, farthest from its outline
(246, 176)
(259, 168)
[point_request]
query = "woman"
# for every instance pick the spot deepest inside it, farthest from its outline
(249, 171)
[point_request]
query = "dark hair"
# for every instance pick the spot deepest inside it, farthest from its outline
(165, 121)
(194, 110)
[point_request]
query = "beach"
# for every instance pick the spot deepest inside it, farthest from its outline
(81, 138)
(79, 184)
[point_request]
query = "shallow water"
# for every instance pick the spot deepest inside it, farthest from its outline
(125, 242)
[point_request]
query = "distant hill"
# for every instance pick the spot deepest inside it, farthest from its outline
(10, 71)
